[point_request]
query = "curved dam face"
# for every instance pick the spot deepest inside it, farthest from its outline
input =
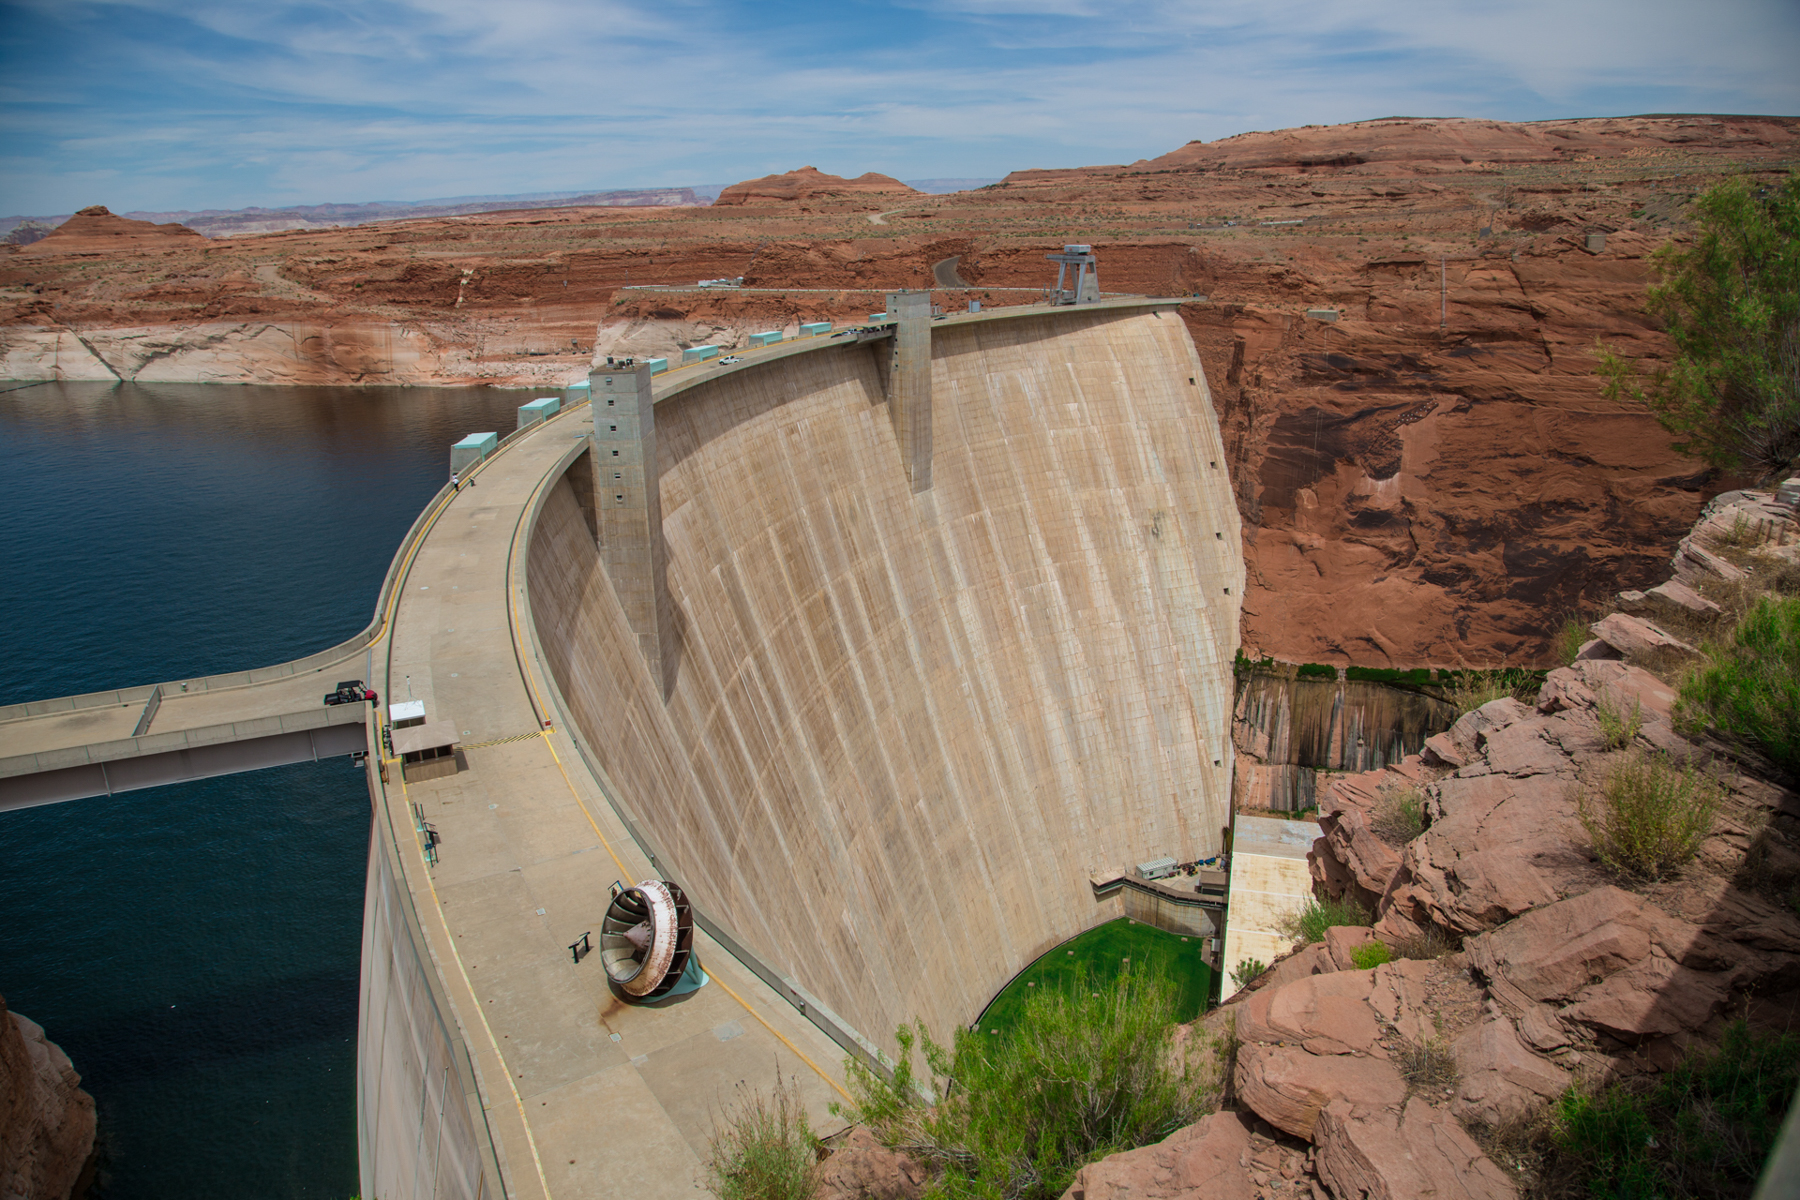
(902, 730)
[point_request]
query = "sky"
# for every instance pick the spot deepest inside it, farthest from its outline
(188, 104)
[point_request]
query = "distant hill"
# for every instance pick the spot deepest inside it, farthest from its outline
(224, 222)
(219, 222)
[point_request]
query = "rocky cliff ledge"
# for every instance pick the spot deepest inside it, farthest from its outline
(46, 1120)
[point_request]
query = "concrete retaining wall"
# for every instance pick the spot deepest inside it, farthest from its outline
(421, 1128)
(904, 730)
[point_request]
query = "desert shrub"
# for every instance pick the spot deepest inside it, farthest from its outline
(764, 1148)
(1704, 1129)
(1427, 1066)
(1085, 1073)
(1316, 671)
(1749, 689)
(1472, 689)
(1309, 922)
(1245, 973)
(1618, 727)
(1569, 639)
(1650, 816)
(1371, 955)
(1400, 817)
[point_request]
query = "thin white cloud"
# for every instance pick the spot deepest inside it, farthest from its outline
(214, 104)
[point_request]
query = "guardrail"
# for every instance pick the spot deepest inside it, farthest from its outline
(313, 662)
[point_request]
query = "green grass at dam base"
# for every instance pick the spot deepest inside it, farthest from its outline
(1095, 957)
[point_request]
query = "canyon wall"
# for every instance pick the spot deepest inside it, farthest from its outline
(1427, 472)
(904, 729)
(1292, 735)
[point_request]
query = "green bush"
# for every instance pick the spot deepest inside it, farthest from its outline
(1309, 923)
(1371, 955)
(1316, 671)
(1085, 1074)
(1750, 689)
(1415, 677)
(764, 1148)
(1729, 298)
(1400, 817)
(1704, 1129)
(1618, 728)
(1245, 973)
(1650, 816)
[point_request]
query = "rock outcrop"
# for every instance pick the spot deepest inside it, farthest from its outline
(46, 1120)
(95, 231)
(861, 1168)
(810, 183)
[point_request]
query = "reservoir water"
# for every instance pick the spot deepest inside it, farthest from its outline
(194, 948)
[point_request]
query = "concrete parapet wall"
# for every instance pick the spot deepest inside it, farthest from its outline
(902, 731)
(421, 1128)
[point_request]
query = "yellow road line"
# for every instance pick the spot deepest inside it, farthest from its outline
(525, 658)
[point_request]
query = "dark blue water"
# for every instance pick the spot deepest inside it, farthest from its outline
(195, 948)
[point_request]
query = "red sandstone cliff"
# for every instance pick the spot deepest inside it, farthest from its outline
(46, 1120)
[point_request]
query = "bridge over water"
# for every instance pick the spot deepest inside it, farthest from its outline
(900, 641)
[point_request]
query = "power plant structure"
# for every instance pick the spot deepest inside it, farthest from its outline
(876, 662)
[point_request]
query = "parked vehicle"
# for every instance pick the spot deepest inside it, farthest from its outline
(351, 691)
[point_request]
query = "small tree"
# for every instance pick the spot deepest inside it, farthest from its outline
(1730, 301)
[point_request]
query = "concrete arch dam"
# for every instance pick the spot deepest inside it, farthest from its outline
(886, 723)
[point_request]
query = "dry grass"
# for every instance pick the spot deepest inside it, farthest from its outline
(1428, 1066)
(1433, 943)
(1400, 817)
(1619, 726)
(1473, 689)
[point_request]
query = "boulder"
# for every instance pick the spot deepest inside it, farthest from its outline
(1355, 856)
(861, 1168)
(1210, 1158)
(1652, 997)
(1289, 1088)
(1694, 562)
(1676, 594)
(1461, 744)
(1401, 997)
(1302, 963)
(1484, 858)
(1326, 1014)
(46, 1120)
(1403, 1155)
(1634, 635)
(1501, 1078)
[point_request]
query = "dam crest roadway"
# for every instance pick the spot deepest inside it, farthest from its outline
(902, 639)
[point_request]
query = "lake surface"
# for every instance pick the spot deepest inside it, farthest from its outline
(195, 948)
